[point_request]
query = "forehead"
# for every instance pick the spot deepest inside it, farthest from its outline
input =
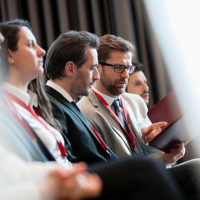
(92, 55)
(25, 34)
(136, 76)
(120, 55)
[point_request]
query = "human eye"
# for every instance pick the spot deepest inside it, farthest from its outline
(137, 83)
(30, 44)
(92, 68)
(119, 68)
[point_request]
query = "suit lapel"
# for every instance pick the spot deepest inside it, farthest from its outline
(111, 119)
(56, 95)
(132, 120)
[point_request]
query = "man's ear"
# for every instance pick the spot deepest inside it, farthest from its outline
(10, 57)
(70, 68)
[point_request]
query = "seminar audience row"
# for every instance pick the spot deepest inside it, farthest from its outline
(73, 64)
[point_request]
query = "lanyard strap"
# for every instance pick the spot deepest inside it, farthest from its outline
(92, 128)
(99, 138)
(33, 113)
(17, 116)
(128, 134)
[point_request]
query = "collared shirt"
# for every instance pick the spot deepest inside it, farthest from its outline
(44, 134)
(110, 100)
(107, 98)
(60, 90)
(30, 99)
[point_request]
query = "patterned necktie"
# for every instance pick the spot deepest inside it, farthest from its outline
(116, 107)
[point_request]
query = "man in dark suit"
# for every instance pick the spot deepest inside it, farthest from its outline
(20, 147)
(74, 81)
(71, 69)
(18, 138)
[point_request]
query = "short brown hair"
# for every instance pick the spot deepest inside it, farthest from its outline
(110, 42)
(69, 46)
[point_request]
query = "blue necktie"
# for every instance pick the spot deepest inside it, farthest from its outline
(116, 107)
(75, 105)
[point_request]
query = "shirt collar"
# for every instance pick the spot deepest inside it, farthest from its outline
(59, 89)
(107, 98)
(29, 98)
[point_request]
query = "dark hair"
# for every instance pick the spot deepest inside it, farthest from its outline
(139, 66)
(10, 30)
(69, 46)
(109, 43)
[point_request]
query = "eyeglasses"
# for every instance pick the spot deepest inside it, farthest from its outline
(120, 68)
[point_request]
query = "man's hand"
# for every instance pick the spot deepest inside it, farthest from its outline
(174, 155)
(71, 184)
(150, 132)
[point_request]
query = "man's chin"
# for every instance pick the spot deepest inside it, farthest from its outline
(118, 92)
(86, 93)
(121, 91)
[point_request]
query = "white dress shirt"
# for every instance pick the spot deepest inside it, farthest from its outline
(110, 101)
(45, 135)
(107, 98)
(60, 90)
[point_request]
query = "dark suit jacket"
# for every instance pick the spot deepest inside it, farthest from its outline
(81, 143)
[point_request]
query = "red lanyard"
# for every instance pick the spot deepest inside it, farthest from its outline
(99, 138)
(17, 117)
(128, 134)
(93, 130)
(33, 113)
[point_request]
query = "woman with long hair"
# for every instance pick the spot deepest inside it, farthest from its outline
(24, 60)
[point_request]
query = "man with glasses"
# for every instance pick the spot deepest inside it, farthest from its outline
(118, 118)
(71, 68)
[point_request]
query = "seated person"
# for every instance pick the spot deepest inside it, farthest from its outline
(137, 83)
(121, 118)
(24, 61)
(36, 180)
(71, 69)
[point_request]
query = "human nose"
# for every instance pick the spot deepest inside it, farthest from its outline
(125, 73)
(40, 51)
(95, 75)
(146, 87)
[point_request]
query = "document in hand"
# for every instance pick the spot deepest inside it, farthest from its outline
(168, 110)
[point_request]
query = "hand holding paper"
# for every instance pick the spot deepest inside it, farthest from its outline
(150, 132)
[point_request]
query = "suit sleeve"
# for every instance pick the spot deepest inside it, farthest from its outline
(140, 110)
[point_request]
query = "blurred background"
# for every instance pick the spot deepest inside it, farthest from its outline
(166, 34)
(126, 18)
